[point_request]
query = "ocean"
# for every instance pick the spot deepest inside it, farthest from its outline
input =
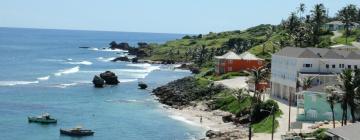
(44, 70)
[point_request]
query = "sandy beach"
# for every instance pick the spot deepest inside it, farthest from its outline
(211, 120)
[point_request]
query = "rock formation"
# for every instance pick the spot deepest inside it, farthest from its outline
(110, 78)
(98, 82)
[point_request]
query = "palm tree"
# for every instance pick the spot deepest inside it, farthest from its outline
(348, 15)
(307, 82)
(347, 80)
(332, 98)
(301, 9)
(318, 19)
(257, 76)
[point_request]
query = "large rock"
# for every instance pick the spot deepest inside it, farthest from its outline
(98, 82)
(110, 78)
(142, 85)
(212, 134)
(121, 58)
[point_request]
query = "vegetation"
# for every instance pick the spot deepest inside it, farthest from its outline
(332, 98)
(240, 105)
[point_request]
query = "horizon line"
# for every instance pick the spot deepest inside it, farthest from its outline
(39, 28)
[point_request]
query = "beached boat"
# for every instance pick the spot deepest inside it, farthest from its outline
(44, 118)
(77, 131)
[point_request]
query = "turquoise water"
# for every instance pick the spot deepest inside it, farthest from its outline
(45, 71)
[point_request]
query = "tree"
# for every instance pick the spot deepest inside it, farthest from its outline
(239, 93)
(292, 23)
(201, 55)
(301, 10)
(348, 15)
(306, 83)
(318, 19)
(332, 98)
(257, 76)
(347, 80)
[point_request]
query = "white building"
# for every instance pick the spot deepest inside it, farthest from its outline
(339, 25)
(291, 64)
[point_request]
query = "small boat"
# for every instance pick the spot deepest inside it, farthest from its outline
(77, 131)
(142, 85)
(44, 118)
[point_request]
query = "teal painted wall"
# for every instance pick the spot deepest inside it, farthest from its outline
(317, 101)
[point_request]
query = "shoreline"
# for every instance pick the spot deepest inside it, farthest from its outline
(211, 120)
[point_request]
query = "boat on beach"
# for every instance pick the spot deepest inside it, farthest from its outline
(44, 118)
(77, 131)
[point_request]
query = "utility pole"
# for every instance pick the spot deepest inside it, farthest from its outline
(289, 110)
(251, 102)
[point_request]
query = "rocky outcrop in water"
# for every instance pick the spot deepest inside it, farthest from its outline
(137, 51)
(110, 78)
(98, 82)
(121, 58)
(142, 85)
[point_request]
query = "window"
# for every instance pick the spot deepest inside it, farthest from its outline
(307, 65)
(333, 66)
(341, 66)
(229, 68)
(349, 66)
(230, 61)
(327, 66)
(355, 66)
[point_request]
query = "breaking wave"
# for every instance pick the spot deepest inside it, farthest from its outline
(107, 50)
(105, 59)
(14, 83)
(127, 80)
(68, 71)
(44, 78)
(81, 63)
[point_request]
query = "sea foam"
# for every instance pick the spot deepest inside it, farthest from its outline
(105, 59)
(68, 71)
(13, 83)
(81, 63)
(44, 78)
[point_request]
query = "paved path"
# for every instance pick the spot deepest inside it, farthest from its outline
(336, 35)
(234, 83)
(356, 44)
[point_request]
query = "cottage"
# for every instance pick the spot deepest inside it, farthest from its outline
(338, 25)
(231, 62)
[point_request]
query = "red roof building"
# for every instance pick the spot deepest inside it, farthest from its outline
(231, 62)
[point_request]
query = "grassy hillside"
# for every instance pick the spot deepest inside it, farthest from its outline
(257, 40)
(211, 40)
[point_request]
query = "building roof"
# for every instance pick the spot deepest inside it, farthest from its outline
(335, 22)
(341, 23)
(229, 55)
(248, 56)
(318, 53)
(233, 56)
(348, 132)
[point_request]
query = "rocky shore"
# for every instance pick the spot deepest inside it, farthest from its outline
(187, 99)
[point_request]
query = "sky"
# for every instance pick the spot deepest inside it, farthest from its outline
(157, 16)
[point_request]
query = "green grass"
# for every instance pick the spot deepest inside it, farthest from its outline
(225, 101)
(265, 126)
(228, 75)
(352, 37)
